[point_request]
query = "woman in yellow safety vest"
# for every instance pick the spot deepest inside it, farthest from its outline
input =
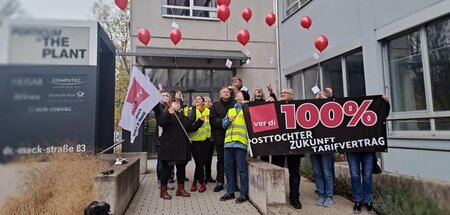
(199, 147)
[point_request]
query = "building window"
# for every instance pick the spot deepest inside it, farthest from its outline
(344, 74)
(438, 39)
(296, 83)
(191, 81)
(312, 78)
(406, 73)
(419, 77)
(356, 85)
(291, 6)
(195, 9)
(332, 76)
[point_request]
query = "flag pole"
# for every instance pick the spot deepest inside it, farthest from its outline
(118, 143)
(182, 127)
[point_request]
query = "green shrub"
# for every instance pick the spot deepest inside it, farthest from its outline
(391, 195)
(398, 196)
(343, 187)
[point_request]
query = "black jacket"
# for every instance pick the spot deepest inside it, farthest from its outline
(175, 145)
(218, 111)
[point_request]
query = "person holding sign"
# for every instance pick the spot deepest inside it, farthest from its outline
(323, 166)
(235, 150)
(362, 164)
(293, 161)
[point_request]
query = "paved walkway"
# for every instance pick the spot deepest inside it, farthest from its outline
(147, 201)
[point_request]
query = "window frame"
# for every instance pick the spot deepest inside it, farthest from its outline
(429, 112)
(344, 71)
(287, 7)
(191, 9)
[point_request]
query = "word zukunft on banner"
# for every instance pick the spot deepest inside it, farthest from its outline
(355, 124)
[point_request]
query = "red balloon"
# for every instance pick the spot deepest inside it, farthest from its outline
(223, 12)
(122, 4)
(144, 36)
(175, 36)
(270, 19)
(306, 22)
(223, 2)
(247, 14)
(243, 36)
(321, 43)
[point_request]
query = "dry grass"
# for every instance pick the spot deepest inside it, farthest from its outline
(61, 185)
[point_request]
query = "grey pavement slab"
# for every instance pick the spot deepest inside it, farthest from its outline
(147, 201)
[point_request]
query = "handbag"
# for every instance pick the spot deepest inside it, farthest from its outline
(97, 208)
(376, 167)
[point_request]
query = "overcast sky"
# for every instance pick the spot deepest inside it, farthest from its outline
(59, 9)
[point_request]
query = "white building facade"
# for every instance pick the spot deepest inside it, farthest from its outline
(196, 65)
(400, 48)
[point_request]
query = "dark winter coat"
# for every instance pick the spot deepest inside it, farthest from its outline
(175, 145)
(218, 111)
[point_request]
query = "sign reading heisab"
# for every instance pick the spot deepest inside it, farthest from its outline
(317, 126)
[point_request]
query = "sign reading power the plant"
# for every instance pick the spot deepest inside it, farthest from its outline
(32, 44)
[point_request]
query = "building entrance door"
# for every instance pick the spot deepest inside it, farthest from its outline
(192, 82)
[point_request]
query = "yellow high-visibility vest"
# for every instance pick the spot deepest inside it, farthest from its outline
(186, 110)
(237, 131)
(203, 132)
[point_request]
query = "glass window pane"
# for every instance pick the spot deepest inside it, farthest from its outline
(288, 2)
(302, 2)
(355, 74)
(406, 73)
(204, 13)
(221, 78)
(158, 76)
(179, 78)
(311, 79)
(438, 39)
(415, 125)
(296, 85)
(292, 10)
(332, 76)
(442, 123)
(204, 3)
(200, 78)
(173, 11)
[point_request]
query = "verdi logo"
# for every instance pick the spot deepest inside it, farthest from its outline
(136, 95)
(263, 118)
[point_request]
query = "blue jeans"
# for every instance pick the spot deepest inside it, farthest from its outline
(236, 157)
(323, 167)
(361, 164)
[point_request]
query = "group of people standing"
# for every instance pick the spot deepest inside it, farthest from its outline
(195, 130)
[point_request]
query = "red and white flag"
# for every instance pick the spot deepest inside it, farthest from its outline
(142, 96)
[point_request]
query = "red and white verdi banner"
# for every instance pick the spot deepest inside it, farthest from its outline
(142, 96)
